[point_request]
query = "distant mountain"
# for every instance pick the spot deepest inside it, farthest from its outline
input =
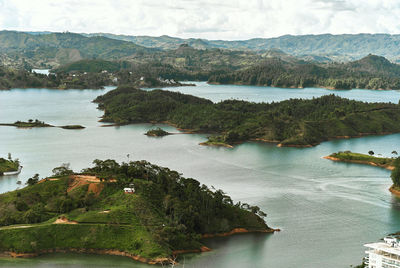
(59, 48)
(343, 47)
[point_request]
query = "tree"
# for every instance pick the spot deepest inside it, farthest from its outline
(395, 153)
(62, 170)
(9, 156)
(371, 153)
(33, 180)
(396, 173)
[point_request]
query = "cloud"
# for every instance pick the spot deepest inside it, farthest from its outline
(212, 19)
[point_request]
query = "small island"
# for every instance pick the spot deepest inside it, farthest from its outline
(38, 124)
(29, 124)
(138, 210)
(9, 166)
(392, 164)
(157, 132)
(365, 159)
(290, 123)
(72, 127)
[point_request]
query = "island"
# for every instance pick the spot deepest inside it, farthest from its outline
(9, 166)
(38, 124)
(392, 164)
(294, 122)
(365, 159)
(157, 132)
(136, 209)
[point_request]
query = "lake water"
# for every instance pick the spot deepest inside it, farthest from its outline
(326, 210)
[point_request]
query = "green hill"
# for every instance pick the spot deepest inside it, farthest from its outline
(294, 122)
(371, 72)
(90, 212)
(93, 66)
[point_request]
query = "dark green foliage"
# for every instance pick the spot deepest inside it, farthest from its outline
(371, 72)
(33, 180)
(167, 212)
(11, 78)
(93, 66)
(396, 173)
(290, 122)
(157, 132)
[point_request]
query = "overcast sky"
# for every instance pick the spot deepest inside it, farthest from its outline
(212, 19)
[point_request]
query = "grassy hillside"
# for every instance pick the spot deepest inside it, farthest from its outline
(294, 122)
(371, 72)
(166, 213)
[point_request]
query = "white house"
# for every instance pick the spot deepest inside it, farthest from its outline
(384, 254)
(129, 190)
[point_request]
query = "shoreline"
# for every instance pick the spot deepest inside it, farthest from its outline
(388, 167)
(394, 191)
(240, 231)
(279, 143)
(296, 87)
(115, 252)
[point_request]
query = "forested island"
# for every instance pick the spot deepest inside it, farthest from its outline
(294, 122)
(157, 132)
(163, 214)
(370, 72)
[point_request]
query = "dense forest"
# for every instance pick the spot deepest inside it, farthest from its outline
(371, 72)
(294, 122)
(167, 212)
(12, 78)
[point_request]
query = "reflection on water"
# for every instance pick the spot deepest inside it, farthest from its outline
(326, 210)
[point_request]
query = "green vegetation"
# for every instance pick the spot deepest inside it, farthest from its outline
(31, 123)
(72, 127)
(294, 122)
(396, 173)
(92, 66)
(8, 165)
(157, 132)
(367, 159)
(167, 212)
(371, 72)
(36, 123)
(13, 78)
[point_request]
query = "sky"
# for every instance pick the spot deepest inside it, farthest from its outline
(210, 19)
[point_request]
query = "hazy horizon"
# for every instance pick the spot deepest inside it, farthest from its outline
(206, 19)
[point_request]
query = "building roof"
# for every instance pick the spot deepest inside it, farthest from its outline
(384, 247)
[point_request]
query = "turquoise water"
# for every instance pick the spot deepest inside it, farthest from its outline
(326, 210)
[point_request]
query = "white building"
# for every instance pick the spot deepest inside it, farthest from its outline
(129, 190)
(384, 254)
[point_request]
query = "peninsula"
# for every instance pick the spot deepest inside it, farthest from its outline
(365, 159)
(294, 122)
(139, 210)
(392, 164)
